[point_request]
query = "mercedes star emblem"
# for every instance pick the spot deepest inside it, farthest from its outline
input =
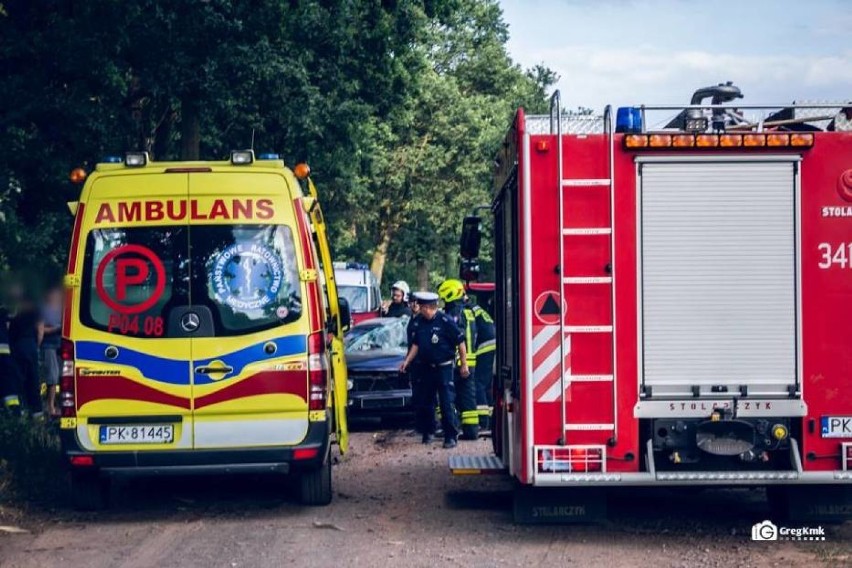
(190, 322)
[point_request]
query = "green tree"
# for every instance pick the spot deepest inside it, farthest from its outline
(398, 107)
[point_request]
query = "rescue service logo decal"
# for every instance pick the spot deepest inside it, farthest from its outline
(247, 276)
(183, 209)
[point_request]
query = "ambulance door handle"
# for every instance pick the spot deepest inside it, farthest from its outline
(208, 369)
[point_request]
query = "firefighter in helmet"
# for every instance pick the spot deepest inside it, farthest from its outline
(457, 308)
(435, 339)
(486, 349)
(398, 306)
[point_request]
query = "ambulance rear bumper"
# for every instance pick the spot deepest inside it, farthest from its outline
(287, 459)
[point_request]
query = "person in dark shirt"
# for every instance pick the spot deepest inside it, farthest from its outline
(434, 341)
(25, 335)
(398, 306)
(10, 382)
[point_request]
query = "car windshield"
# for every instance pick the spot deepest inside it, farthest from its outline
(389, 335)
(356, 296)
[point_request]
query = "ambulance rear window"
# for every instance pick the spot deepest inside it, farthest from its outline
(133, 277)
(137, 280)
(251, 275)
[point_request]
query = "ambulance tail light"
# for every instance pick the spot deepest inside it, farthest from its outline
(317, 372)
(67, 402)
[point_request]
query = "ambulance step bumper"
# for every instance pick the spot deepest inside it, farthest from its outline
(476, 465)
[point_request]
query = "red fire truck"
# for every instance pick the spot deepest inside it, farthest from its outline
(674, 305)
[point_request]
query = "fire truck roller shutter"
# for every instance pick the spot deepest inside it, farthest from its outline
(718, 276)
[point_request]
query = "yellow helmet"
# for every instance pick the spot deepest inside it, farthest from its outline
(451, 290)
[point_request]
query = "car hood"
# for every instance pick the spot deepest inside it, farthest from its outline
(374, 361)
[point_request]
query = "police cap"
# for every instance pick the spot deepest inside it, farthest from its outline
(426, 298)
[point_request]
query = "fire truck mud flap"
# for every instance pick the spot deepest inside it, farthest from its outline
(563, 505)
(811, 503)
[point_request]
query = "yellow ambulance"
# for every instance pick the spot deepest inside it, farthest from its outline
(202, 329)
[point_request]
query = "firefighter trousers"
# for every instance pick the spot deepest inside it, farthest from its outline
(484, 375)
(436, 380)
(466, 391)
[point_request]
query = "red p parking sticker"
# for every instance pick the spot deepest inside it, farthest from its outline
(136, 269)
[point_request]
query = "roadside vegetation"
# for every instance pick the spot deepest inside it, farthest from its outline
(30, 460)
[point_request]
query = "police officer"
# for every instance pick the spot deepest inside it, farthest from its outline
(419, 390)
(434, 341)
(486, 349)
(453, 294)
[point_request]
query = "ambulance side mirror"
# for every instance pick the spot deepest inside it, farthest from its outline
(345, 313)
(471, 237)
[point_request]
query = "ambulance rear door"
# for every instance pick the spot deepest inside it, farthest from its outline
(133, 383)
(246, 321)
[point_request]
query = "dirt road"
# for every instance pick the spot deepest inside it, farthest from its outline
(395, 504)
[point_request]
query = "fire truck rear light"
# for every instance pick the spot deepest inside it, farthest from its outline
(802, 140)
(660, 140)
(754, 140)
(683, 141)
(730, 140)
(707, 140)
(542, 146)
(571, 459)
(82, 461)
(776, 140)
(636, 141)
(846, 453)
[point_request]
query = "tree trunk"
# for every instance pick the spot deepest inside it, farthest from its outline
(190, 130)
(422, 274)
(380, 256)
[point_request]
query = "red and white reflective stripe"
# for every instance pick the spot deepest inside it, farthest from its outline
(546, 353)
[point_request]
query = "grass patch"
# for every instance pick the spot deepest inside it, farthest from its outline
(31, 464)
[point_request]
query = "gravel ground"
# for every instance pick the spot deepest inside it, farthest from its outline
(396, 504)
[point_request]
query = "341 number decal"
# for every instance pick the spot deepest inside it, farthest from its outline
(837, 256)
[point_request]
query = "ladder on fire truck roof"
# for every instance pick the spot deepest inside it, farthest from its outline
(584, 125)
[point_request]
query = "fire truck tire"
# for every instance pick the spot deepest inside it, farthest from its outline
(315, 485)
(89, 492)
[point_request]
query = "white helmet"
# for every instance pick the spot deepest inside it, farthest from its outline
(402, 286)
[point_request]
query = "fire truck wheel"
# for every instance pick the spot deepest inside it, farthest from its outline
(89, 492)
(315, 485)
